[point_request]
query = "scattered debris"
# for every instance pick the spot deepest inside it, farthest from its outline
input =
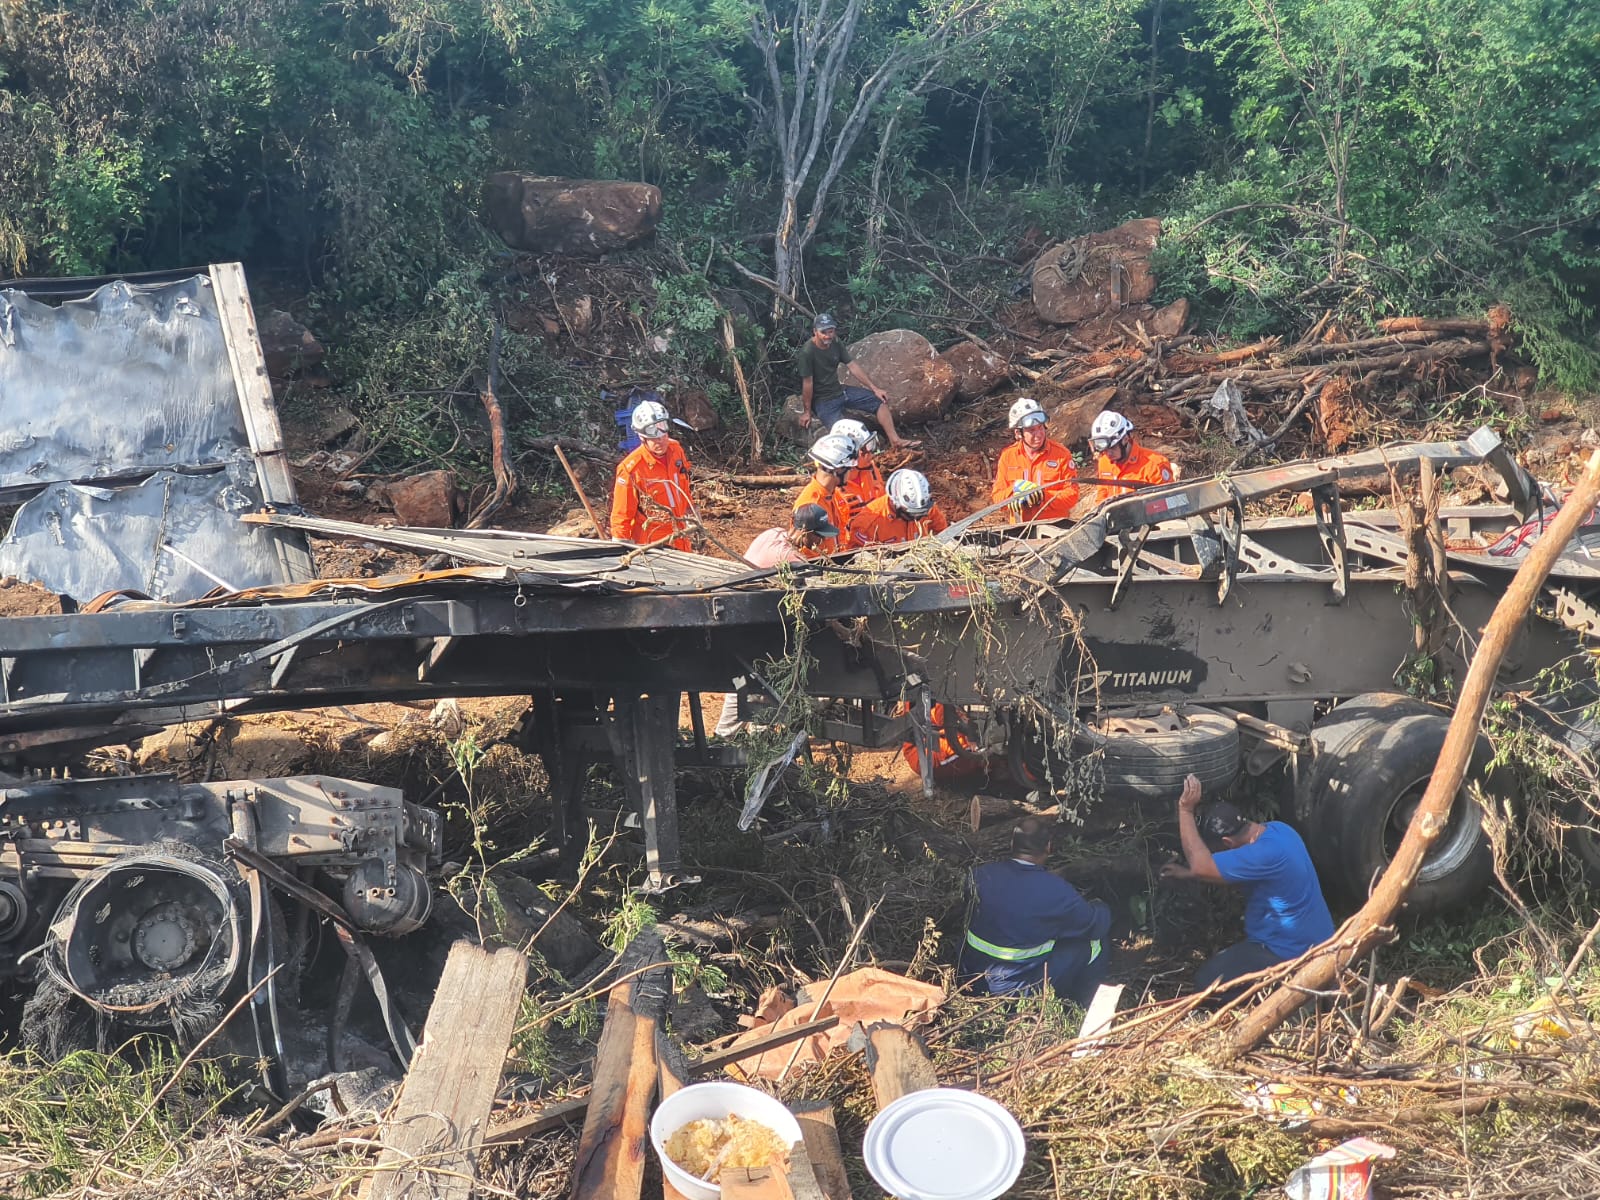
(1343, 1173)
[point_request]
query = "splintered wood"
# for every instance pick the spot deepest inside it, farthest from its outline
(614, 1145)
(431, 1143)
(898, 1063)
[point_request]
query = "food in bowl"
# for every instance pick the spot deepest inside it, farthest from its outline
(704, 1148)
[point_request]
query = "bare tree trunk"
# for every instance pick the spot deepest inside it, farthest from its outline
(801, 114)
(1150, 93)
(1357, 937)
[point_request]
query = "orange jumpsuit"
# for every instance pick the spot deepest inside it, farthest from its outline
(651, 497)
(876, 523)
(838, 509)
(1052, 465)
(948, 761)
(863, 485)
(1140, 468)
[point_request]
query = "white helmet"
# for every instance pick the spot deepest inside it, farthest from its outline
(1025, 412)
(860, 436)
(909, 492)
(1108, 429)
(833, 452)
(651, 420)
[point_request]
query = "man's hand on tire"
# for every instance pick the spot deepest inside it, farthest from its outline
(1189, 798)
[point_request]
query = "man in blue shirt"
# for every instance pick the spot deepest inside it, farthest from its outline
(1030, 927)
(1284, 914)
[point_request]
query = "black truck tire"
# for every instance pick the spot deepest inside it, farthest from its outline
(1148, 760)
(1367, 776)
(1139, 758)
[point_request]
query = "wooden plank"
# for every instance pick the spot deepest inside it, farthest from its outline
(672, 1073)
(615, 1144)
(757, 1046)
(261, 425)
(744, 1183)
(431, 1143)
(551, 1116)
(898, 1063)
(823, 1149)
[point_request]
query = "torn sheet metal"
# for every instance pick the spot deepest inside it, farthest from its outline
(173, 537)
(1227, 404)
(578, 562)
(128, 381)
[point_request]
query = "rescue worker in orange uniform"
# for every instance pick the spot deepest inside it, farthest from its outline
(651, 498)
(1122, 459)
(904, 513)
(832, 458)
(1035, 472)
(864, 483)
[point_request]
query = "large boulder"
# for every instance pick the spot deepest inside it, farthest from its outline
(920, 384)
(978, 371)
(291, 350)
(1096, 274)
(581, 217)
(426, 501)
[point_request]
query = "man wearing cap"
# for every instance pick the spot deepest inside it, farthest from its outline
(1030, 927)
(808, 526)
(1284, 914)
(650, 502)
(824, 398)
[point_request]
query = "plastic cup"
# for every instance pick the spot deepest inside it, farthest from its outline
(713, 1101)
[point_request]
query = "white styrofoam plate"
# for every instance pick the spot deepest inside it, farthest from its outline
(944, 1144)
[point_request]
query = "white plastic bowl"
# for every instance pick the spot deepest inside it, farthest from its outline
(713, 1101)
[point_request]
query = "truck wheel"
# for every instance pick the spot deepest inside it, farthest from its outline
(1146, 758)
(1363, 787)
(1135, 758)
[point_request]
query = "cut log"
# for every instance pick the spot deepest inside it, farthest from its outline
(614, 1144)
(822, 1147)
(898, 1063)
(990, 810)
(1479, 327)
(430, 1145)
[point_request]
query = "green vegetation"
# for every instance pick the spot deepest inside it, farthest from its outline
(1307, 155)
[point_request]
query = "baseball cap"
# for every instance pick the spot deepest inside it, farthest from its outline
(1219, 821)
(813, 518)
(824, 321)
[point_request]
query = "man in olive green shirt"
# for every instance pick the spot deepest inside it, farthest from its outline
(823, 398)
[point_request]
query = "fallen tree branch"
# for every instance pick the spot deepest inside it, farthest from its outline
(505, 475)
(1364, 930)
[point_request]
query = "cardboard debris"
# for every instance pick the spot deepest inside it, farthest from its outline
(1343, 1173)
(862, 997)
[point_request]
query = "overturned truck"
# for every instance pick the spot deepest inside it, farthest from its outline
(1172, 630)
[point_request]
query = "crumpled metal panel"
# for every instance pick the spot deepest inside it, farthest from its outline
(130, 380)
(81, 540)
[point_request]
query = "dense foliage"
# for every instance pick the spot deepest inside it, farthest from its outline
(1353, 155)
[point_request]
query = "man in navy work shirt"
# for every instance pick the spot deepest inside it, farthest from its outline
(1031, 927)
(1284, 914)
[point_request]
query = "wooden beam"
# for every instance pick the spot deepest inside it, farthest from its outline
(672, 1074)
(614, 1144)
(740, 1052)
(431, 1143)
(260, 413)
(898, 1063)
(823, 1149)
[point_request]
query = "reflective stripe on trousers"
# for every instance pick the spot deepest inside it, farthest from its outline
(1008, 954)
